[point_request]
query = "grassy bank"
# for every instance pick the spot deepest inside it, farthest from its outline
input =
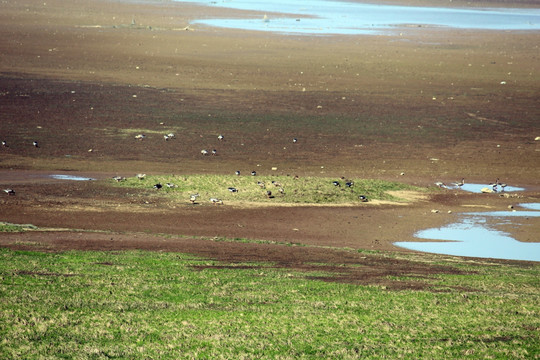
(284, 189)
(141, 305)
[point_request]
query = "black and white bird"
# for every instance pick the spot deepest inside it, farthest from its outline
(216, 201)
(214, 152)
(119, 178)
(220, 137)
(9, 191)
(237, 172)
(363, 198)
(35, 143)
(269, 194)
(261, 184)
(233, 189)
(336, 183)
(295, 140)
(141, 176)
(440, 184)
(459, 184)
(171, 185)
(193, 198)
(158, 186)
(204, 152)
(140, 137)
(4, 143)
(253, 173)
(349, 184)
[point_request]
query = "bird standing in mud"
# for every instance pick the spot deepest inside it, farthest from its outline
(9, 191)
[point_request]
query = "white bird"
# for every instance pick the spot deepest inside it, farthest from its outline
(4, 144)
(171, 185)
(171, 135)
(295, 140)
(233, 189)
(35, 143)
(140, 136)
(214, 152)
(193, 198)
(166, 137)
(220, 137)
(9, 191)
(237, 172)
(119, 178)
(440, 184)
(216, 201)
(141, 176)
(204, 152)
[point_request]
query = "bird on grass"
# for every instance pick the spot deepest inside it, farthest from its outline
(233, 189)
(193, 198)
(119, 178)
(336, 183)
(158, 186)
(9, 191)
(349, 184)
(216, 201)
(269, 194)
(363, 198)
(171, 185)
(141, 176)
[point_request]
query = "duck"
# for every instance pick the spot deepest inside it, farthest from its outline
(9, 191)
(214, 152)
(166, 137)
(261, 184)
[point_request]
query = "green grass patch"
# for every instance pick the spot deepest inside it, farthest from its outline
(9, 227)
(284, 189)
(142, 305)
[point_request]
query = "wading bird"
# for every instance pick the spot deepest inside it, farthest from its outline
(9, 191)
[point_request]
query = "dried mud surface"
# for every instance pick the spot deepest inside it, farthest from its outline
(435, 105)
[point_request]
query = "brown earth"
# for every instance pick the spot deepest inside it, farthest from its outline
(430, 105)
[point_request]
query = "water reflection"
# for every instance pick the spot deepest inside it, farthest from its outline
(472, 236)
(70, 177)
(341, 17)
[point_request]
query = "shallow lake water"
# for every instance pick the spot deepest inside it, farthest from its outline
(341, 17)
(473, 236)
(477, 188)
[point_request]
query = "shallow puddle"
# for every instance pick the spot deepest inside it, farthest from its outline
(477, 188)
(352, 18)
(70, 177)
(472, 236)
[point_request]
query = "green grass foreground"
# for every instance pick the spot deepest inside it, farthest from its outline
(304, 190)
(151, 305)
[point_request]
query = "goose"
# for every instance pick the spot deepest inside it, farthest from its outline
(440, 184)
(141, 176)
(237, 172)
(459, 184)
(216, 201)
(220, 137)
(363, 198)
(9, 191)
(158, 186)
(193, 198)
(35, 143)
(233, 189)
